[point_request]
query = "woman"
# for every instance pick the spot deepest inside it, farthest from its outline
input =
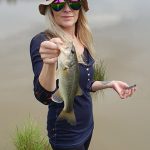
(67, 22)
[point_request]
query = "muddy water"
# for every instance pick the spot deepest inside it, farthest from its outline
(121, 33)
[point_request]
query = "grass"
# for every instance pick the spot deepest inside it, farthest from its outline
(99, 70)
(99, 75)
(29, 137)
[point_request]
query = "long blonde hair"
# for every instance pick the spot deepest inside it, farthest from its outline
(82, 30)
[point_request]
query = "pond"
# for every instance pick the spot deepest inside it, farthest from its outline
(16, 15)
(121, 33)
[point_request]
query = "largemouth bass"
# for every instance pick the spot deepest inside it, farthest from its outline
(68, 75)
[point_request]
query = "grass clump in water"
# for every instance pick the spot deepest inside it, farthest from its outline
(29, 137)
(99, 75)
(99, 70)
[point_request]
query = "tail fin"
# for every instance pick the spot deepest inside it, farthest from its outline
(69, 116)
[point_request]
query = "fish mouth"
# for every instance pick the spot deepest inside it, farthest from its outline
(68, 67)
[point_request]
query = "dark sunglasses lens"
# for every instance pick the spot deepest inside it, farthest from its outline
(75, 5)
(57, 6)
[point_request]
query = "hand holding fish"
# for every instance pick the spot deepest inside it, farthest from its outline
(49, 50)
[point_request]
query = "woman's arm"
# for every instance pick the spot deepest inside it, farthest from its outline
(100, 85)
(44, 57)
(49, 52)
(47, 77)
(120, 87)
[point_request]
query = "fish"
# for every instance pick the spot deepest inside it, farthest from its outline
(68, 74)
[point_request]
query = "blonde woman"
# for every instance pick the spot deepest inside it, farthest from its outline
(66, 21)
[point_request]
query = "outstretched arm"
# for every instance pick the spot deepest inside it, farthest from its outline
(120, 87)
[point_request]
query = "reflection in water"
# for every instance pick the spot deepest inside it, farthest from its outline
(124, 46)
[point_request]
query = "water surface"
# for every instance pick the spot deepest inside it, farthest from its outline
(121, 34)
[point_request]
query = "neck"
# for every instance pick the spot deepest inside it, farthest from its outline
(70, 32)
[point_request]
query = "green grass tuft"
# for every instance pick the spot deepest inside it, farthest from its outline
(99, 71)
(29, 137)
(99, 75)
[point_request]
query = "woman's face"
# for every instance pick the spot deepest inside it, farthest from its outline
(66, 17)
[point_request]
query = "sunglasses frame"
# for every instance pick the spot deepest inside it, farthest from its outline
(64, 3)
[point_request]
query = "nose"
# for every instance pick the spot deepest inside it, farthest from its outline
(66, 8)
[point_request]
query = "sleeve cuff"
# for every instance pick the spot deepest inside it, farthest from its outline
(41, 88)
(42, 94)
(90, 87)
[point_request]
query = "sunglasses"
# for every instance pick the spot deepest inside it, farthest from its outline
(58, 5)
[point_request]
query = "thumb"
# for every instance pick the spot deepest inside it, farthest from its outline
(58, 42)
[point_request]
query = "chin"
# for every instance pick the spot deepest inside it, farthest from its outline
(66, 25)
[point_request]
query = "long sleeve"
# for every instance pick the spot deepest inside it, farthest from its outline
(90, 86)
(40, 93)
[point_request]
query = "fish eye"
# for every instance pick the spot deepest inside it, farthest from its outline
(72, 51)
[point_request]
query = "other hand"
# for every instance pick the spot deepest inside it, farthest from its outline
(122, 89)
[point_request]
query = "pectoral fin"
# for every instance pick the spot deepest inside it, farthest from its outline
(66, 67)
(57, 96)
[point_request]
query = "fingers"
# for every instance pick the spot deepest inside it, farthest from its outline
(49, 50)
(44, 56)
(49, 45)
(50, 61)
(132, 91)
(127, 92)
(56, 40)
(53, 44)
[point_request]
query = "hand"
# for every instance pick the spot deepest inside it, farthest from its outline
(122, 89)
(49, 50)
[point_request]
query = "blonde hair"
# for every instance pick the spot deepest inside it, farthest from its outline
(82, 30)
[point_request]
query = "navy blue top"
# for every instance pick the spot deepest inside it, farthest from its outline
(61, 134)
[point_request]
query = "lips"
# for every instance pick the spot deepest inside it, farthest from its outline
(67, 16)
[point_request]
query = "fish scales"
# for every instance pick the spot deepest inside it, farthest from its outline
(68, 75)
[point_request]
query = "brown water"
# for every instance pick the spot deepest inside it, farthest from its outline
(121, 37)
